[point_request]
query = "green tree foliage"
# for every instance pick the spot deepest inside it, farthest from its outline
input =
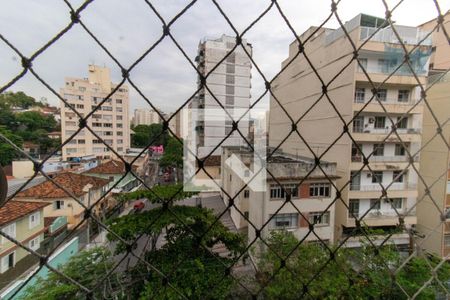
(365, 273)
(18, 100)
(173, 154)
(144, 134)
(7, 152)
(33, 120)
(188, 265)
(87, 267)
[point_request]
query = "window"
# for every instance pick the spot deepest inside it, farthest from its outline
(378, 149)
(119, 133)
(353, 208)
(318, 218)
(447, 240)
(58, 204)
(246, 193)
(8, 261)
(119, 118)
(230, 68)
(380, 122)
(34, 219)
(109, 125)
(118, 109)
(278, 192)
(34, 244)
(229, 89)
(356, 153)
(107, 108)
(118, 101)
(319, 190)
(96, 116)
(96, 141)
(399, 150)
(360, 94)
(377, 177)
(397, 176)
(107, 133)
(229, 79)
(80, 105)
(363, 63)
(9, 230)
(358, 124)
(97, 124)
(281, 221)
(403, 96)
(119, 141)
(119, 149)
(396, 203)
(375, 204)
(382, 94)
(81, 142)
(402, 123)
(119, 125)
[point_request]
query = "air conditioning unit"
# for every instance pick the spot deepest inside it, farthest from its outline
(369, 175)
(371, 120)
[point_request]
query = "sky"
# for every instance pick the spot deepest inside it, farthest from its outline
(129, 28)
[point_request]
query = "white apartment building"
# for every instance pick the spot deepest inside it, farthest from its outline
(110, 121)
(298, 90)
(313, 198)
(230, 84)
(143, 116)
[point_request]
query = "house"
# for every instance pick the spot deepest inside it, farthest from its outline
(113, 170)
(87, 189)
(23, 221)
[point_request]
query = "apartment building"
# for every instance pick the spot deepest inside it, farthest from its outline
(143, 116)
(87, 189)
(433, 217)
(376, 110)
(229, 84)
(312, 196)
(110, 121)
(23, 221)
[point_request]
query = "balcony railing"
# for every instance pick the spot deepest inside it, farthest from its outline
(360, 129)
(392, 69)
(373, 158)
(387, 35)
(398, 186)
(378, 214)
(387, 101)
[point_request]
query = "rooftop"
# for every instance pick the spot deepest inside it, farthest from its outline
(109, 167)
(72, 182)
(14, 210)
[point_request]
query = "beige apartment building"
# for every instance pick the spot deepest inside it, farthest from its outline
(349, 91)
(143, 116)
(433, 210)
(110, 122)
(311, 202)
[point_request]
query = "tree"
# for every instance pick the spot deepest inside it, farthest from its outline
(144, 134)
(185, 263)
(365, 273)
(7, 152)
(33, 120)
(173, 154)
(87, 267)
(19, 99)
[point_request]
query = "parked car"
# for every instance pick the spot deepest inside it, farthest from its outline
(138, 206)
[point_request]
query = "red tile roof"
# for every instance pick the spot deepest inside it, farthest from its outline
(109, 167)
(14, 210)
(72, 182)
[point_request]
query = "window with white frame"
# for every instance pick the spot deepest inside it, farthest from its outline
(34, 219)
(246, 193)
(382, 94)
(360, 94)
(319, 218)
(9, 230)
(286, 221)
(377, 177)
(319, 190)
(397, 176)
(278, 192)
(403, 96)
(353, 208)
(378, 149)
(397, 203)
(8, 261)
(34, 244)
(375, 204)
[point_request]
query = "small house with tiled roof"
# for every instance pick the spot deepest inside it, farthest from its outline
(65, 192)
(113, 170)
(23, 221)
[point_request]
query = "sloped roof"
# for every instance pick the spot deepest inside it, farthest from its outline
(72, 182)
(109, 167)
(14, 210)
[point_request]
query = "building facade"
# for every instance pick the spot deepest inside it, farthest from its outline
(369, 107)
(110, 121)
(311, 197)
(144, 116)
(433, 217)
(229, 84)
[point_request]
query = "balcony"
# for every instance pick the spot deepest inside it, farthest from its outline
(391, 105)
(396, 186)
(379, 134)
(373, 158)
